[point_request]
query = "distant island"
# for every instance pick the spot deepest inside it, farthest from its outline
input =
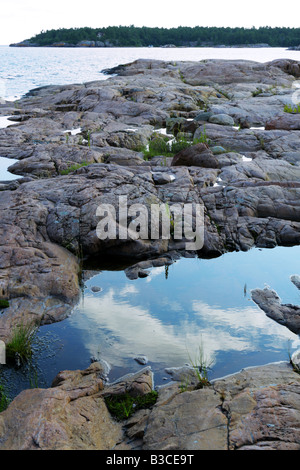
(198, 36)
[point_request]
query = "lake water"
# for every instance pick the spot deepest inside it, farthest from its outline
(172, 313)
(22, 69)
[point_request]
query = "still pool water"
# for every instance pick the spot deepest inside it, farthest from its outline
(5, 163)
(5, 175)
(169, 315)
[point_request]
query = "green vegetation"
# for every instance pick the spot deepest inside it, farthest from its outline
(73, 168)
(171, 218)
(132, 36)
(259, 90)
(19, 348)
(123, 406)
(292, 109)
(201, 366)
(4, 303)
(4, 400)
(160, 146)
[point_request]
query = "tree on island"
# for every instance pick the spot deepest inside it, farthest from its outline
(132, 36)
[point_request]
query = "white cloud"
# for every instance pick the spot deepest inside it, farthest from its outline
(22, 19)
(122, 329)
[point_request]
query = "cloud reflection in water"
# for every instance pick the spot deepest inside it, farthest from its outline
(168, 320)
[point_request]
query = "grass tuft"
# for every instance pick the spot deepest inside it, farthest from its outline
(19, 348)
(73, 168)
(159, 146)
(4, 303)
(123, 406)
(292, 109)
(4, 400)
(201, 365)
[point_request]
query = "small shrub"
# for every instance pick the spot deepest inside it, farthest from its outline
(160, 147)
(257, 92)
(123, 406)
(292, 109)
(4, 400)
(201, 366)
(4, 303)
(72, 168)
(203, 138)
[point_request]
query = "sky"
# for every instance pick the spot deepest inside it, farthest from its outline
(22, 19)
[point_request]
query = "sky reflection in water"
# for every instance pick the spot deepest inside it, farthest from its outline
(200, 303)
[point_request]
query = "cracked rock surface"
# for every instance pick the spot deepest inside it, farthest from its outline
(258, 408)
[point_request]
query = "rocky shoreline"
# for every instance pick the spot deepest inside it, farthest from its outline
(107, 43)
(79, 146)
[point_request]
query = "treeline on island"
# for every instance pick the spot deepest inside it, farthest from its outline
(132, 36)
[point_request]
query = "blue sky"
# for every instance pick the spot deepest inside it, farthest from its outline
(21, 19)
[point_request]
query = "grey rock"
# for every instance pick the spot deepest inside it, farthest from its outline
(295, 359)
(186, 375)
(96, 289)
(285, 314)
(296, 280)
(162, 178)
(196, 155)
(222, 119)
(234, 413)
(143, 360)
(217, 149)
(286, 121)
(204, 116)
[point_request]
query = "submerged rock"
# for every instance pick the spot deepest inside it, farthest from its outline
(143, 360)
(296, 280)
(285, 314)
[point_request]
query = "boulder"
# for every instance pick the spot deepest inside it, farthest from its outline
(288, 122)
(196, 155)
(296, 280)
(222, 119)
(285, 314)
(69, 416)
